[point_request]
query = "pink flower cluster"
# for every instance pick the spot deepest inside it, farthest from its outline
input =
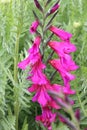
(40, 82)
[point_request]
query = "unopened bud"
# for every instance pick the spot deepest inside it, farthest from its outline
(34, 26)
(77, 114)
(53, 9)
(66, 121)
(38, 5)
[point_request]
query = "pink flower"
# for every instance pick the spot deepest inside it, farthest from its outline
(23, 64)
(67, 90)
(68, 63)
(31, 59)
(62, 89)
(38, 77)
(39, 65)
(36, 74)
(63, 35)
(41, 95)
(54, 8)
(34, 26)
(56, 63)
(35, 47)
(47, 118)
(33, 56)
(62, 48)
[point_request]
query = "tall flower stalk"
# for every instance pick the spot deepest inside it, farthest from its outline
(16, 104)
(51, 96)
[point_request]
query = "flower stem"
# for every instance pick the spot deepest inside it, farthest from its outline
(16, 103)
(43, 24)
(16, 59)
(81, 104)
(49, 57)
(74, 120)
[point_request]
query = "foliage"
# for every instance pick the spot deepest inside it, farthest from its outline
(15, 19)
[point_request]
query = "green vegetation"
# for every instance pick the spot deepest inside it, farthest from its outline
(17, 112)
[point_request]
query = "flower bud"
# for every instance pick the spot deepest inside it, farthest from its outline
(38, 5)
(54, 8)
(66, 121)
(34, 26)
(77, 114)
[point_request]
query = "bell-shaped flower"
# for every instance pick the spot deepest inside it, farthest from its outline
(41, 96)
(68, 63)
(36, 74)
(62, 48)
(35, 47)
(63, 35)
(33, 56)
(34, 26)
(38, 77)
(47, 117)
(31, 59)
(66, 76)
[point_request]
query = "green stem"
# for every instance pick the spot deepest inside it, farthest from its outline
(43, 24)
(16, 112)
(16, 104)
(74, 120)
(16, 59)
(82, 106)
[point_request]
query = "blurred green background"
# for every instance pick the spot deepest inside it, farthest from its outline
(15, 19)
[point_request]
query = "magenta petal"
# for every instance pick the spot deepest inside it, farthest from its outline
(33, 88)
(35, 47)
(34, 26)
(38, 66)
(38, 77)
(68, 63)
(69, 48)
(70, 76)
(34, 58)
(56, 63)
(46, 118)
(68, 90)
(54, 8)
(53, 104)
(23, 64)
(34, 55)
(42, 97)
(63, 35)
(62, 48)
